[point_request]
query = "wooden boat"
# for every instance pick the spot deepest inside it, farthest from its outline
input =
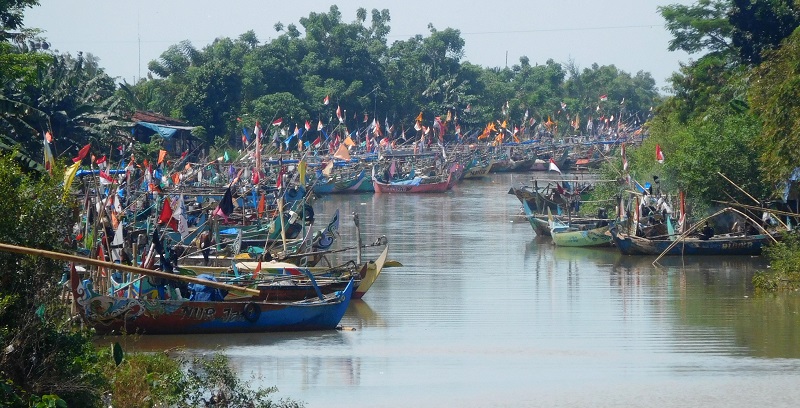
(339, 184)
(478, 170)
(416, 185)
(726, 244)
(206, 312)
(541, 224)
(571, 236)
(117, 314)
(328, 279)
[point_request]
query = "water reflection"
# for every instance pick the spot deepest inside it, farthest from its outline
(484, 313)
(360, 316)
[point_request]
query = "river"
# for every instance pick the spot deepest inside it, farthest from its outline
(485, 314)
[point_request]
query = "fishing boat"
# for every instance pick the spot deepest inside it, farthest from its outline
(725, 244)
(119, 314)
(418, 184)
(570, 235)
(288, 281)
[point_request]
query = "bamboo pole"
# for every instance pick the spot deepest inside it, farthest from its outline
(739, 188)
(125, 268)
(752, 207)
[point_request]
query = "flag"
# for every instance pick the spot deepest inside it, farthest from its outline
(301, 171)
(49, 160)
(328, 169)
(279, 178)
(342, 153)
(245, 137)
(604, 97)
(82, 153)
(69, 176)
(258, 267)
(262, 206)
(419, 117)
(225, 206)
(348, 141)
(105, 178)
(553, 166)
(161, 155)
(339, 114)
(101, 255)
(468, 108)
(327, 100)
(277, 122)
(166, 215)
(659, 154)
(320, 126)
(180, 218)
(317, 141)
(117, 242)
(308, 126)
(624, 159)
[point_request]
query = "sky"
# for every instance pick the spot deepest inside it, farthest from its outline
(125, 36)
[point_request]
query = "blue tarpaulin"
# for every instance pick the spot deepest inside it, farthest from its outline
(164, 131)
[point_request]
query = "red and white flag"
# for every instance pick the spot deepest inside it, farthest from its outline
(308, 126)
(339, 114)
(277, 122)
(553, 166)
(327, 100)
(659, 154)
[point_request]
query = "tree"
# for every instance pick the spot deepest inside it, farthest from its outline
(11, 15)
(703, 26)
(48, 356)
(775, 98)
(761, 25)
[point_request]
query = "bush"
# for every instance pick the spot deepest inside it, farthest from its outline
(784, 271)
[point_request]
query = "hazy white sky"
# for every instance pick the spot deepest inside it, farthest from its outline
(127, 35)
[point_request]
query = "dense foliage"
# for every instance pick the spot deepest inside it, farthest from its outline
(707, 126)
(784, 271)
(41, 353)
(231, 83)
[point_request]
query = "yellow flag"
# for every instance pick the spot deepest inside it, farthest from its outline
(301, 169)
(69, 176)
(349, 142)
(419, 117)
